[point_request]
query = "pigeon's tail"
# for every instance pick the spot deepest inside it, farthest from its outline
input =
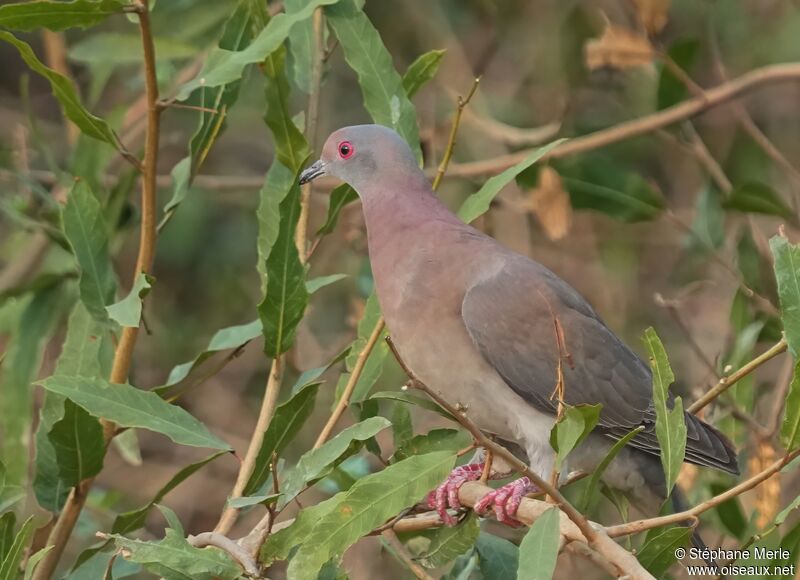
(679, 504)
(706, 446)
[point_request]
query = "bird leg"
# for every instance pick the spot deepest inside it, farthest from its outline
(505, 500)
(446, 495)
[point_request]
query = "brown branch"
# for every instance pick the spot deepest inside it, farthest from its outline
(689, 108)
(726, 383)
(461, 104)
(580, 529)
(268, 404)
(147, 240)
(692, 513)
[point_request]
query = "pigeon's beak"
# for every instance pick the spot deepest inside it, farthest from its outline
(313, 171)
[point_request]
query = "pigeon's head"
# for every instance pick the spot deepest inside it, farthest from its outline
(357, 154)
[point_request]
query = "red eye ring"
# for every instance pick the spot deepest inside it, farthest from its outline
(346, 150)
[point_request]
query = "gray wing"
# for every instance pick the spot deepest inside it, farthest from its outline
(511, 317)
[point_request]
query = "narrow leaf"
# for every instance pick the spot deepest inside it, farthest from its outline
(34, 560)
(594, 480)
(478, 203)
(452, 440)
(128, 406)
(224, 66)
(339, 197)
(322, 281)
(757, 197)
(65, 93)
(316, 463)
(670, 421)
(538, 551)
(134, 519)
(367, 504)
(289, 417)
(658, 554)
(787, 274)
(381, 86)
(575, 425)
(57, 16)
(77, 439)
(423, 69)
(449, 543)
(128, 311)
(9, 568)
(87, 232)
(790, 428)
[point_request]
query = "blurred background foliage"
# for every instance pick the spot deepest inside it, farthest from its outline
(667, 229)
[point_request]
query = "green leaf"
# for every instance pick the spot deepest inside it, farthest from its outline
(452, 440)
(339, 197)
(9, 568)
(367, 504)
(120, 48)
(730, 512)
(128, 406)
(421, 71)
(128, 311)
(229, 338)
(20, 365)
(316, 463)
(449, 543)
(77, 439)
(538, 551)
(87, 351)
(373, 367)
(575, 425)
(243, 502)
(478, 203)
(411, 399)
(65, 93)
(402, 425)
(27, 16)
(787, 274)
(670, 422)
(7, 521)
(301, 47)
(790, 428)
(499, 558)
(87, 232)
(760, 198)
(224, 66)
(134, 519)
(381, 86)
(286, 296)
(594, 481)
(34, 560)
(322, 281)
(287, 421)
(708, 228)
(671, 89)
(658, 554)
(173, 558)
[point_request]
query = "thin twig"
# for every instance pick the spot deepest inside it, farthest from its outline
(451, 141)
(147, 239)
(595, 537)
(726, 383)
(268, 404)
(692, 513)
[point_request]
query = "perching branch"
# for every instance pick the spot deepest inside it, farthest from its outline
(147, 240)
(574, 525)
(237, 552)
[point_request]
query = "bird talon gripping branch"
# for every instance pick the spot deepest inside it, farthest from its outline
(505, 501)
(445, 496)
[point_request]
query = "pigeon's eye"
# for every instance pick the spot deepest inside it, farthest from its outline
(346, 150)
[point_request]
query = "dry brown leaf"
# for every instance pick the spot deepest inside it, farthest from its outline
(549, 201)
(619, 48)
(768, 494)
(653, 14)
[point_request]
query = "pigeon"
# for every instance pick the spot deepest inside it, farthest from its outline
(491, 330)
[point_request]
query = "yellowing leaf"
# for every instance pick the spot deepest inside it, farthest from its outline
(550, 203)
(619, 48)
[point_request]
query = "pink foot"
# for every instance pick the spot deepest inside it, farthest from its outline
(446, 495)
(505, 500)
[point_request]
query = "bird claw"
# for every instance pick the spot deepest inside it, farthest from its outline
(505, 501)
(446, 495)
